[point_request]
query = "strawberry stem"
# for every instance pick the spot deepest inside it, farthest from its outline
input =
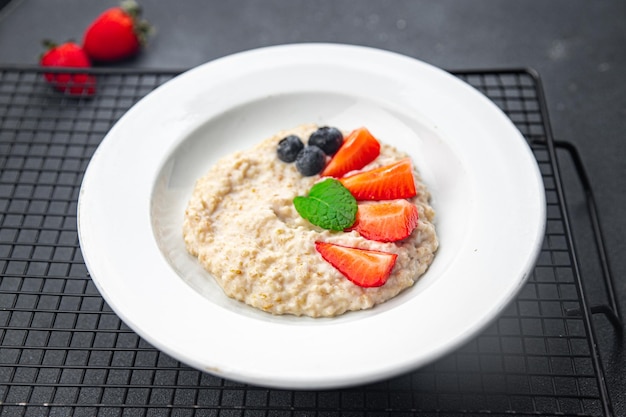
(132, 8)
(142, 27)
(49, 44)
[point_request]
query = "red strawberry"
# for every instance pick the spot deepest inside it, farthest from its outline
(68, 54)
(117, 33)
(364, 267)
(386, 221)
(359, 149)
(388, 182)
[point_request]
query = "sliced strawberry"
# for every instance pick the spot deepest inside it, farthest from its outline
(388, 182)
(364, 267)
(358, 149)
(386, 221)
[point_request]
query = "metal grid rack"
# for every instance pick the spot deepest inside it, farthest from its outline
(63, 352)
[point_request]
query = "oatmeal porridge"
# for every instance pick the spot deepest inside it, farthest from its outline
(242, 225)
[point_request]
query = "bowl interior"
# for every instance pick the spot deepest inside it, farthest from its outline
(243, 126)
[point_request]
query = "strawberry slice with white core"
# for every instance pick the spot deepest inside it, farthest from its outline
(388, 182)
(364, 267)
(386, 221)
(358, 149)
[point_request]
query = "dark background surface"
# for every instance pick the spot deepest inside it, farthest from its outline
(577, 47)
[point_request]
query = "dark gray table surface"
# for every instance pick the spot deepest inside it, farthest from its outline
(576, 46)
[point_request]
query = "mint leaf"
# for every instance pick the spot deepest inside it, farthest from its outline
(329, 205)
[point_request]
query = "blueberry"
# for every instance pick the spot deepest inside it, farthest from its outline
(310, 161)
(288, 148)
(328, 139)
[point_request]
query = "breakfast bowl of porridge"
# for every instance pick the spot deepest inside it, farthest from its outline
(302, 236)
(311, 216)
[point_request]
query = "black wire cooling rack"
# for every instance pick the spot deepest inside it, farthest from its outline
(63, 352)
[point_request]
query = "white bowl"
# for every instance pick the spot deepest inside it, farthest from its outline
(486, 187)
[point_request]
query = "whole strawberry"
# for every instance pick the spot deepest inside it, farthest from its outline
(68, 54)
(118, 33)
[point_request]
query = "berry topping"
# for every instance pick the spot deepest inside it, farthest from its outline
(359, 149)
(328, 139)
(385, 183)
(364, 267)
(310, 161)
(289, 147)
(386, 221)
